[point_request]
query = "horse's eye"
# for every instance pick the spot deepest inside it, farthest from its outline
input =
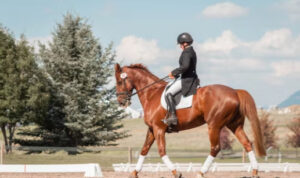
(119, 83)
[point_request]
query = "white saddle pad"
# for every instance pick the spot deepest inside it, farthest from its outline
(185, 102)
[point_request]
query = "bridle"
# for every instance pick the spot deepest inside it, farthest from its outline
(128, 92)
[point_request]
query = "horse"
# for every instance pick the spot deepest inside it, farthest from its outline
(216, 105)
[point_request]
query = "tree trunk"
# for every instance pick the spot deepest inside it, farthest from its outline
(11, 130)
(4, 137)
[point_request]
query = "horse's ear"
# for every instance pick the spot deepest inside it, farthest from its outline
(117, 67)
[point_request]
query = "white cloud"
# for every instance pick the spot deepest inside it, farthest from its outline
(36, 40)
(286, 68)
(223, 44)
(235, 64)
(167, 69)
(273, 55)
(133, 49)
(224, 10)
(170, 53)
(251, 63)
(292, 7)
(277, 43)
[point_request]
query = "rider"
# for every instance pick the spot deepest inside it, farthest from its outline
(189, 79)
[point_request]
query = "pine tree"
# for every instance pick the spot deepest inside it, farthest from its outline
(80, 70)
(43, 106)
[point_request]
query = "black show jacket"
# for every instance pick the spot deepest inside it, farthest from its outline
(187, 70)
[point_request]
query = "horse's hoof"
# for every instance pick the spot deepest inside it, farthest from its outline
(255, 173)
(200, 175)
(133, 175)
(178, 175)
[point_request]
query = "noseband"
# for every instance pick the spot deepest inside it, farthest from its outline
(128, 92)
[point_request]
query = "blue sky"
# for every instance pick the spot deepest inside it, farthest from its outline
(248, 44)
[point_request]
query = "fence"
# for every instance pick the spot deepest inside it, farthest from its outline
(216, 167)
(90, 170)
(106, 156)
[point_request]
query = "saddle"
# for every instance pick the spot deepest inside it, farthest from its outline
(180, 100)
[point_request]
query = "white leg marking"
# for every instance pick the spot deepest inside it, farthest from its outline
(139, 164)
(207, 164)
(252, 159)
(168, 163)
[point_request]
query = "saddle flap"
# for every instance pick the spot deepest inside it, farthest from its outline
(180, 100)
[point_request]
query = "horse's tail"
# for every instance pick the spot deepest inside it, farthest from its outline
(248, 108)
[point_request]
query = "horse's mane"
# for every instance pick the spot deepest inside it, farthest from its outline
(142, 67)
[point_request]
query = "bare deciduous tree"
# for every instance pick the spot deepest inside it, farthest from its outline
(294, 138)
(225, 140)
(268, 129)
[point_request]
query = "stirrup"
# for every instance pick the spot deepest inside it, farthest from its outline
(170, 120)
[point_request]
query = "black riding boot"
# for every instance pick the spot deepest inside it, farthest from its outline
(171, 116)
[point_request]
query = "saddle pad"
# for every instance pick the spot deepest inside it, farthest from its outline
(185, 102)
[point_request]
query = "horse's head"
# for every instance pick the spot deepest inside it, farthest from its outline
(124, 86)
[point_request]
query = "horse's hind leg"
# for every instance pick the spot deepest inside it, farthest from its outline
(147, 145)
(214, 138)
(243, 139)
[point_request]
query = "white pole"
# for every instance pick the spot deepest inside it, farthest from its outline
(1, 154)
(279, 157)
(244, 156)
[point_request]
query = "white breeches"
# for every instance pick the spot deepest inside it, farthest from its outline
(175, 87)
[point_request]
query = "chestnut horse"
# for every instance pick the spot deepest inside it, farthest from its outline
(216, 105)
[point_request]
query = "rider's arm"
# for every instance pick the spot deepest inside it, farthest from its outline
(186, 61)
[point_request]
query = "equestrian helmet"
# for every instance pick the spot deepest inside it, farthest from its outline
(184, 38)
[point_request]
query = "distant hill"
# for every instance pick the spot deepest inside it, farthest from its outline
(294, 99)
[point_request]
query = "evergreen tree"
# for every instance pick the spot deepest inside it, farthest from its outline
(80, 70)
(43, 106)
(22, 97)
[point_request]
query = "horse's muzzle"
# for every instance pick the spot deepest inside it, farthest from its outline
(125, 103)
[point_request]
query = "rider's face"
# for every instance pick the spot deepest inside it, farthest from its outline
(183, 45)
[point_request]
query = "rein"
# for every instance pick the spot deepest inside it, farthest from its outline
(137, 91)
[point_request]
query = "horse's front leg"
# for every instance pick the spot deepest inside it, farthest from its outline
(147, 145)
(159, 134)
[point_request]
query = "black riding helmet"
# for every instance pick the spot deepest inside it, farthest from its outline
(184, 38)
